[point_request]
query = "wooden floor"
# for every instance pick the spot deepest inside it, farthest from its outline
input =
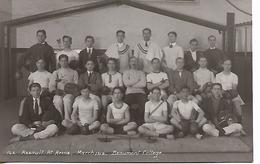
(9, 116)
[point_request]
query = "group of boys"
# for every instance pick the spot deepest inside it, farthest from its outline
(156, 92)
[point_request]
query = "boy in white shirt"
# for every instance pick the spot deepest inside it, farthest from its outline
(203, 75)
(187, 116)
(60, 78)
(172, 52)
(41, 76)
(229, 82)
(156, 116)
(84, 116)
(72, 54)
(110, 79)
(118, 116)
(158, 78)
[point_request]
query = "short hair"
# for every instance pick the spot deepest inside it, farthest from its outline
(172, 32)
(148, 29)
(194, 40)
(40, 58)
(63, 56)
(226, 59)
(111, 59)
(211, 37)
(216, 84)
(33, 85)
(178, 58)
(42, 31)
(185, 87)
(120, 31)
(90, 37)
(203, 56)
(90, 60)
(119, 88)
(85, 87)
(155, 59)
(66, 36)
(156, 88)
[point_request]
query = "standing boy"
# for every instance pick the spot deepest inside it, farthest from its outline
(147, 50)
(172, 52)
(120, 51)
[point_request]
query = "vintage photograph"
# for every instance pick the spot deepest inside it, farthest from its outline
(126, 81)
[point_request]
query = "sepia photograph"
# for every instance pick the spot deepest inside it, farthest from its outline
(126, 81)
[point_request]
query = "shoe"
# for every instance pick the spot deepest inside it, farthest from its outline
(199, 136)
(13, 140)
(170, 136)
(131, 133)
(151, 139)
(180, 135)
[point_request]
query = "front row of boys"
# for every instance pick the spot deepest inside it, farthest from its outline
(40, 118)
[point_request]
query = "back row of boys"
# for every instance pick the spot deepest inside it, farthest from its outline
(149, 58)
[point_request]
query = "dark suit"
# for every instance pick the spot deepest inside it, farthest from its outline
(177, 82)
(84, 56)
(27, 114)
(190, 64)
(95, 81)
(214, 58)
(38, 51)
(212, 111)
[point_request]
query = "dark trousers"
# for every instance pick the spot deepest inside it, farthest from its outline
(136, 102)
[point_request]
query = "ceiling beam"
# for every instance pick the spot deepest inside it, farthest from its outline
(61, 12)
(175, 15)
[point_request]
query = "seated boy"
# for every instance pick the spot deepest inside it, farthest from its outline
(41, 76)
(157, 78)
(229, 82)
(118, 116)
(179, 78)
(187, 116)
(220, 114)
(38, 118)
(91, 78)
(110, 79)
(84, 116)
(61, 78)
(155, 117)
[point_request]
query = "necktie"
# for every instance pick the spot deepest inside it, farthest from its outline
(110, 78)
(36, 107)
(89, 76)
(146, 44)
(171, 45)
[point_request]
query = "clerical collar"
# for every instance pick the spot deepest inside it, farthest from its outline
(212, 48)
(173, 44)
(120, 44)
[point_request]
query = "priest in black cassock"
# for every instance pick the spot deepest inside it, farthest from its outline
(40, 50)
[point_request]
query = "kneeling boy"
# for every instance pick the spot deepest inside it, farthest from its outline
(156, 116)
(84, 115)
(118, 116)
